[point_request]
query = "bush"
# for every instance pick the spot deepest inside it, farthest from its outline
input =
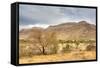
(23, 52)
(91, 48)
(28, 50)
(51, 49)
(66, 49)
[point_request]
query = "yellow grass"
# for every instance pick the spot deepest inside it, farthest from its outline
(73, 56)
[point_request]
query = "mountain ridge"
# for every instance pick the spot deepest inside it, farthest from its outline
(65, 31)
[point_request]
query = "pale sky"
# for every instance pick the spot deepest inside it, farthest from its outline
(43, 16)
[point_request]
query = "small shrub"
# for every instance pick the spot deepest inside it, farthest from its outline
(90, 48)
(66, 49)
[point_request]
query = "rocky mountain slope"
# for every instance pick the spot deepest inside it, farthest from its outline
(64, 31)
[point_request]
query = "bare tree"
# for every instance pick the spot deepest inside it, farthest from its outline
(45, 39)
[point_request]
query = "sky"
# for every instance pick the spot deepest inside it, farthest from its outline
(44, 16)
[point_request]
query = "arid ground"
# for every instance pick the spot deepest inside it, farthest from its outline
(73, 56)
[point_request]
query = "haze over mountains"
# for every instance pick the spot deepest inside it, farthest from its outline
(64, 31)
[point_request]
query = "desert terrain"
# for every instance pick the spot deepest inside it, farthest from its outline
(69, 41)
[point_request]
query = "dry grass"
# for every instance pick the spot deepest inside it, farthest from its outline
(73, 56)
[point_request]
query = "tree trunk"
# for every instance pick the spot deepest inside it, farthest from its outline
(44, 50)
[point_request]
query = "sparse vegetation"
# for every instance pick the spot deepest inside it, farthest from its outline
(67, 49)
(91, 47)
(57, 44)
(48, 45)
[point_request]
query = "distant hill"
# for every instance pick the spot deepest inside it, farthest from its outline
(64, 31)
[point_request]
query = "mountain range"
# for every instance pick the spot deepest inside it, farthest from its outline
(64, 31)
